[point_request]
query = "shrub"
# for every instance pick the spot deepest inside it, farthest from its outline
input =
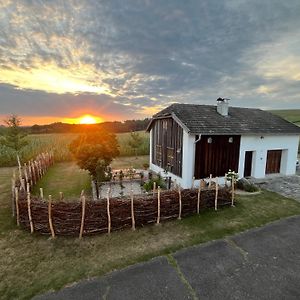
(148, 186)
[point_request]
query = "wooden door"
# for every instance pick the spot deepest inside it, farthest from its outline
(248, 163)
(273, 161)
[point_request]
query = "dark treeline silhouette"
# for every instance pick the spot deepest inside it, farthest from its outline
(115, 127)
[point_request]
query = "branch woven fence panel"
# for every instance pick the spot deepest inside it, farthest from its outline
(67, 216)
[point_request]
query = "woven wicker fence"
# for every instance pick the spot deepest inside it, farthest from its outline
(90, 217)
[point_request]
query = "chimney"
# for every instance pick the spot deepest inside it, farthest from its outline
(222, 106)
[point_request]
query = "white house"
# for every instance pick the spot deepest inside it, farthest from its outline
(191, 140)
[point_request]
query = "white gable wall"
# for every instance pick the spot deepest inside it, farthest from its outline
(260, 145)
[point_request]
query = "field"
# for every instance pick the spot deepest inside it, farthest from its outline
(33, 264)
(292, 115)
(59, 144)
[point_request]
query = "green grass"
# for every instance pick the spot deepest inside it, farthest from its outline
(68, 178)
(64, 177)
(33, 264)
(292, 115)
(59, 144)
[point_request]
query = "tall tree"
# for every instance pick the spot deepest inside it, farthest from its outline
(94, 151)
(14, 137)
(135, 142)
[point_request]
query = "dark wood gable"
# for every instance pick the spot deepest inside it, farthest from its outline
(216, 154)
(167, 145)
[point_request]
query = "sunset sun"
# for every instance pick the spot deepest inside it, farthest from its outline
(88, 119)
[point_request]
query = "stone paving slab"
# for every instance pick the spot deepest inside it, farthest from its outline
(262, 263)
(155, 279)
(259, 264)
(288, 186)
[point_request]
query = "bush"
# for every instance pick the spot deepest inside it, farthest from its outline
(148, 186)
(245, 185)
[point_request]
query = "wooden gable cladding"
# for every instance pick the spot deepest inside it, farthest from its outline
(167, 145)
(216, 154)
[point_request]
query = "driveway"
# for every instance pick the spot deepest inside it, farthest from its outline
(288, 186)
(262, 263)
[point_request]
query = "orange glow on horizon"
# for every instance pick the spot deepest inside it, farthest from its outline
(85, 119)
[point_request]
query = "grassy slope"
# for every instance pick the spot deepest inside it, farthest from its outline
(292, 115)
(32, 264)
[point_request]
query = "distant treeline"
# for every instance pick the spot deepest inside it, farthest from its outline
(116, 127)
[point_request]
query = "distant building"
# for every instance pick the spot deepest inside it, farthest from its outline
(192, 140)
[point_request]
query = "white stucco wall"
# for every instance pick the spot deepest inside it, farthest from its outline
(260, 146)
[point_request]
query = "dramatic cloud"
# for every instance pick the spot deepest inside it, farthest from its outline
(125, 59)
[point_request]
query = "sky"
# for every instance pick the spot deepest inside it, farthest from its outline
(126, 59)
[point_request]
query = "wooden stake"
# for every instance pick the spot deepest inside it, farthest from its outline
(29, 212)
(23, 184)
(41, 193)
(216, 196)
(17, 205)
(108, 214)
(209, 182)
(25, 172)
(154, 187)
(82, 216)
(28, 187)
(13, 195)
(198, 199)
(158, 205)
(50, 217)
(180, 202)
(132, 211)
(61, 196)
(232, 191)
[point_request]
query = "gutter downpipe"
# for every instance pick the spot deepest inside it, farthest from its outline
(199, 138)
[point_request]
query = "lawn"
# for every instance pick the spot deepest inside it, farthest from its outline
(68, 178)
(33, 264)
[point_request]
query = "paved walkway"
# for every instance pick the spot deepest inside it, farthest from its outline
(288, 186)
(261, 263)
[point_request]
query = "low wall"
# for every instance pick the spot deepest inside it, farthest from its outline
(67, 217)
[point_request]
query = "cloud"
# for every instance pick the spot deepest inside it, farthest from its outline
(142, 55)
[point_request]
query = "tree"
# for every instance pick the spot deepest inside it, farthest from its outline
(94, 151)
(135, 141)
(14, 137)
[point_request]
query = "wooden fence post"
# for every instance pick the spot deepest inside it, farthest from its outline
(13, 195)
(232, 191)
(108, 214)
(154, 187)
(180, 202)
(158, 205)
(216, 195)
(50, 217)
(198, 199)
(41, 193)
(132, 211)
(17, 205)
(82, 216)
(29, 212)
